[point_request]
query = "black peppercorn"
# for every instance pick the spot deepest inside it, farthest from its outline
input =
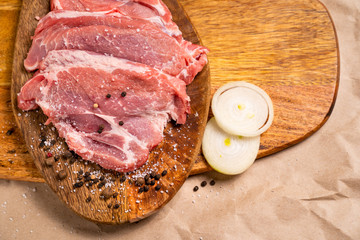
(140, 181)
(10, 131)
(78, 184)
(203, 183)
(101, 128)
(147, 177)
(164, 173)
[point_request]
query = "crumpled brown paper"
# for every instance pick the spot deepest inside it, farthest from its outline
(310, 191)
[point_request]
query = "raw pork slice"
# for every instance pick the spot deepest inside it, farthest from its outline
(143, 43)
(152, 10)
(110, 111)
(133, 8)
(70, 19)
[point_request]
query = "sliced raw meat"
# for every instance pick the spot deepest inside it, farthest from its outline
(115, 18)
(151, 10)
(143, 43)
(133, 103)
(133, 8)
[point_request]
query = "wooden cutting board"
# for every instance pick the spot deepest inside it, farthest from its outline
(289, 48)
(95, 193)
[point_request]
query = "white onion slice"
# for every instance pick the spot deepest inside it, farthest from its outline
(241, 108)
(226, 153)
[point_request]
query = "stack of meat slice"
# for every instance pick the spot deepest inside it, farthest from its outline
(110, 75)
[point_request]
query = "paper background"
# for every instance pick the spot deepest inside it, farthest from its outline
(310, 191)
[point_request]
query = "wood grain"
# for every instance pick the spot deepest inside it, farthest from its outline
(66, 174)
(287, 47)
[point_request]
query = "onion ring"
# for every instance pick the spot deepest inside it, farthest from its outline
(226, 153)
(241, 108)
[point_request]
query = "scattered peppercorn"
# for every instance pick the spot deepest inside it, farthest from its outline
(121, 123)
(88, 199)
(107, 193)
(102, 178)
(212, 182)
(72, 160)
(157, 176)
(152, 183)
(96, 180)
(100, 185)
(42, 144)
(62, 174)
(108, 95)
(141, 190)
(157, 188)
(116, 206)
(10, 131)
(80, 177)
(78, 184)
(146, 188)
(123, 94)
(203, 183)
(147, 177)
(152, 174)
(164, 173)
(87, 178)
(101, 128)
(109, 205)
(56, 158)
(139, 182)
(195, 188)
(115, 194)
